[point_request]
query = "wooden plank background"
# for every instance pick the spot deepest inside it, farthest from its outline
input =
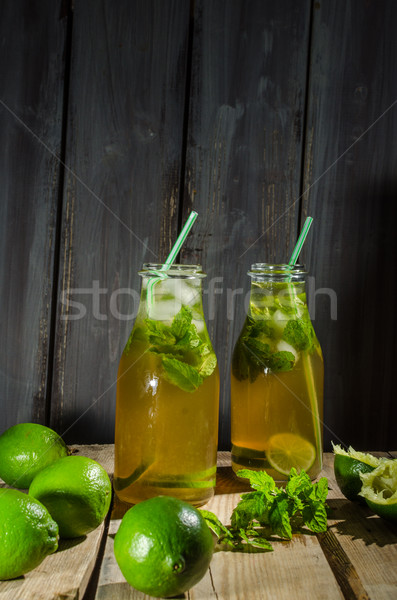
(351, 181)
(32, 68)
(254, 113)
(121, 195)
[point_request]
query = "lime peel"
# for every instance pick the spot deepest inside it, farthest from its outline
(27, 531)
(77, 492)
(163, 546)
(366, 458)
(25, 450)
(348, 466)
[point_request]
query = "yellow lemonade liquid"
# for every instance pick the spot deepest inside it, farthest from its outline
(277, 385)
(166, 419)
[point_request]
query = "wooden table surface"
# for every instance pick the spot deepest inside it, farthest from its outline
(355, 558)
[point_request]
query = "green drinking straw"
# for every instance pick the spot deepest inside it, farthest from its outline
(172, 255)
(301, 241)
(307, 367)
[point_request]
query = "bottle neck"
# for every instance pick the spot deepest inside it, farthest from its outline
(277, 272)
(277, 287)
(165, 293)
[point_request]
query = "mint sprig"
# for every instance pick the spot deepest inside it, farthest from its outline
(179, 373)
(186, 359)
(256, 349)
(253, 354)
(299, 333)
(270, 511)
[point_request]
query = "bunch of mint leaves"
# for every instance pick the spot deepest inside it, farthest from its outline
(271, 511)
(252, 354)
(186, 358)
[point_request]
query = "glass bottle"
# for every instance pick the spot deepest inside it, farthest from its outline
(167, 404)
(277, 378)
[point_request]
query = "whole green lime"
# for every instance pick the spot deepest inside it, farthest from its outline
(163, 546)
(26, 449)
(348, 465)
(27, 533)
(379, 489)
(77, 492)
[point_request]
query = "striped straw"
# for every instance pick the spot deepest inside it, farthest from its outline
(172, 255)
(301, 241)
(307, 365)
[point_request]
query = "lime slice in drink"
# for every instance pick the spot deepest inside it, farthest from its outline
(287, 450)
(348, 464)
(379, 488)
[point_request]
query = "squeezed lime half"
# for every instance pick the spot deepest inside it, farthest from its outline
(348, 465)
(379, 489)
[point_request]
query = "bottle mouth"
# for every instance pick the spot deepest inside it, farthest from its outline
(276, 272)
(175, 270)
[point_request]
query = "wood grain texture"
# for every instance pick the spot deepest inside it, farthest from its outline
(243, 153)
(121, 194)
(31, 74)
(289, 568)
(237, 576)
(345, 573)
(102, 453)
(61, 576)
(355, 559)
(350, 188)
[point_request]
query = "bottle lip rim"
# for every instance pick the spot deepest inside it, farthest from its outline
(175, 270)
(277, 270)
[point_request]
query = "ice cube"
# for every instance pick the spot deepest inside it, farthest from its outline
(164, 287)
(280, 320)
(164, 310)
(185, 293)
(188, 294)
(199, 324)
(284, 346)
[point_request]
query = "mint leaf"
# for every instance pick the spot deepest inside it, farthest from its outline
(190, 339)
(181, 322)
(181, 374)
(320, 490)
(260, 542)
(215, 524)
(257, 354)
(252, 507)
(254, 540)
(240, 363)
(281, 361)
(298, 483)
(261, 328)
(208, 365)
(158, 333)
(186, 358)
(259, 480)
(261, 357)
(314, 516)
(258, 351)
(279, 517)
(299, 334)
(253, 354)
(273, 509)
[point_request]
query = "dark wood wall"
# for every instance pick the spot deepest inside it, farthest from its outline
(119, 117)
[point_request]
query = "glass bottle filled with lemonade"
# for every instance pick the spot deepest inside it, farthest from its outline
(277, 378)
(167, 393)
